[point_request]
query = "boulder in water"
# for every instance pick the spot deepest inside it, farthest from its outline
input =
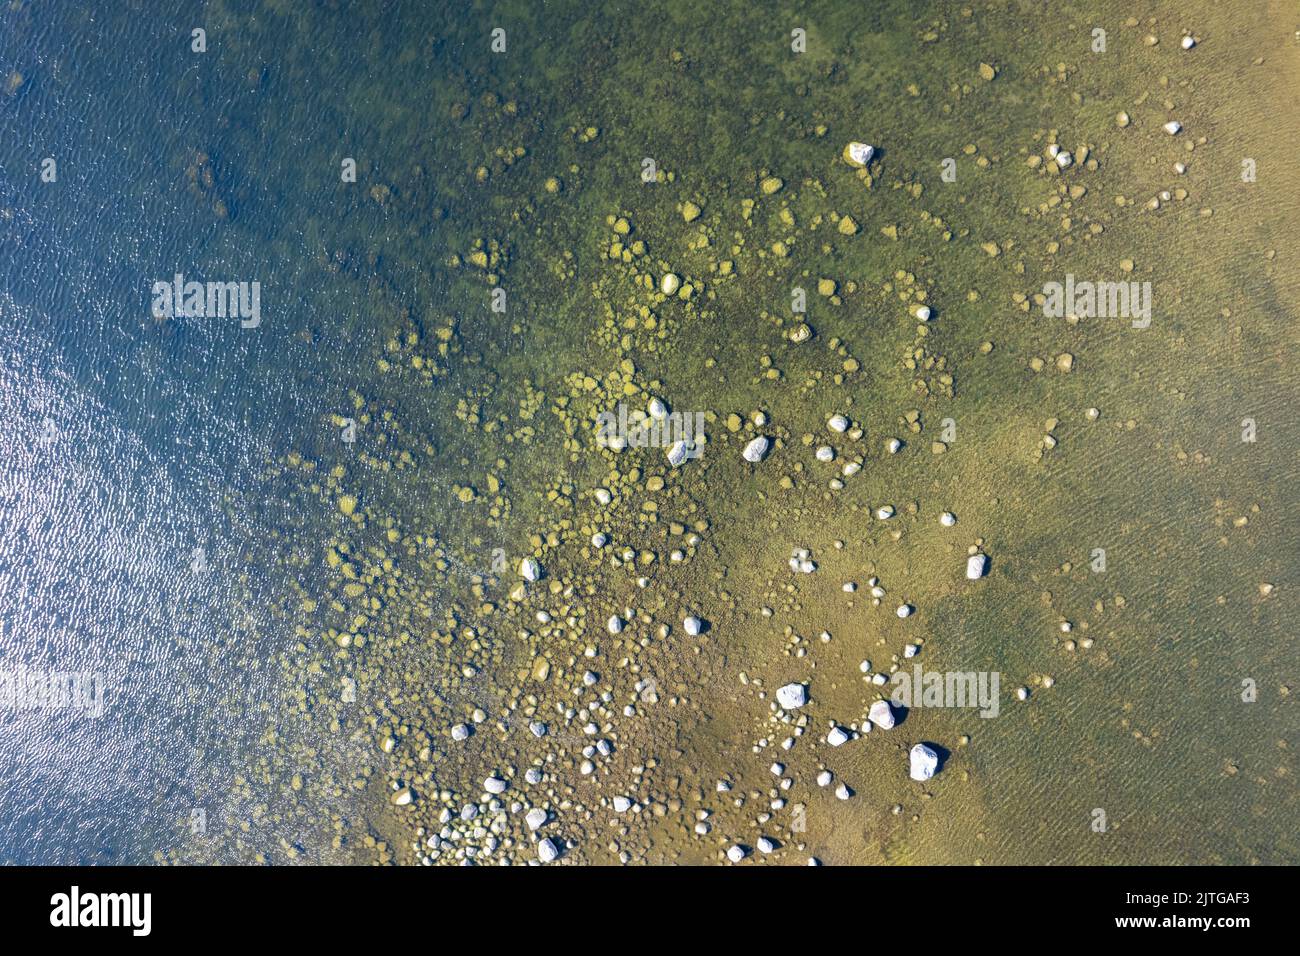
(923, 762)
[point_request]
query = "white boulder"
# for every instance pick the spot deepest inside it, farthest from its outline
(757, 449)
(923, 762)
(859, 154)
(792, 696)
(881, 714)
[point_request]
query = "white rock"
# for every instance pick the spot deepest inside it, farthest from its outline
(756, 450)
(893, 445)
(765, 844)
(842, 792)
(825, 453)
(495, 785)
(837, 736)
(736, 853)
(533, 775)
(859, 154)
(547, 851)
(622, 804)
(669, 284)
(911, 650)
(881, 714)
(923, 313)
(460, 732)
(904, 610)
(885, 512)
(692, 625)
(880, 680)
(1188, 42)
(923, 762)
(535, 818)
(537, 728)
(615, 624)
(977, 565)
(837, 423)
(792, 696)
(947, 519)
(529, 569)
(1064, 159)
(679, 452)
(657, 409)
(403, 797)
(824, 778)
(599, 540)
(1173, 127)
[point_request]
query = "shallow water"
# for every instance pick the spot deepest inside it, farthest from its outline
(254, 696)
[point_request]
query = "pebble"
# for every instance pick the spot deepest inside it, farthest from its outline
(947, 519)
(765, 844)
(622, 804)
(1188, 42)
(905, 610)
(678, 452)
(460, 732)
(692, 625)
(1173, 127)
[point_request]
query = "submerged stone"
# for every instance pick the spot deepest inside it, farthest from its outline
(858, 154)
(923, 762)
